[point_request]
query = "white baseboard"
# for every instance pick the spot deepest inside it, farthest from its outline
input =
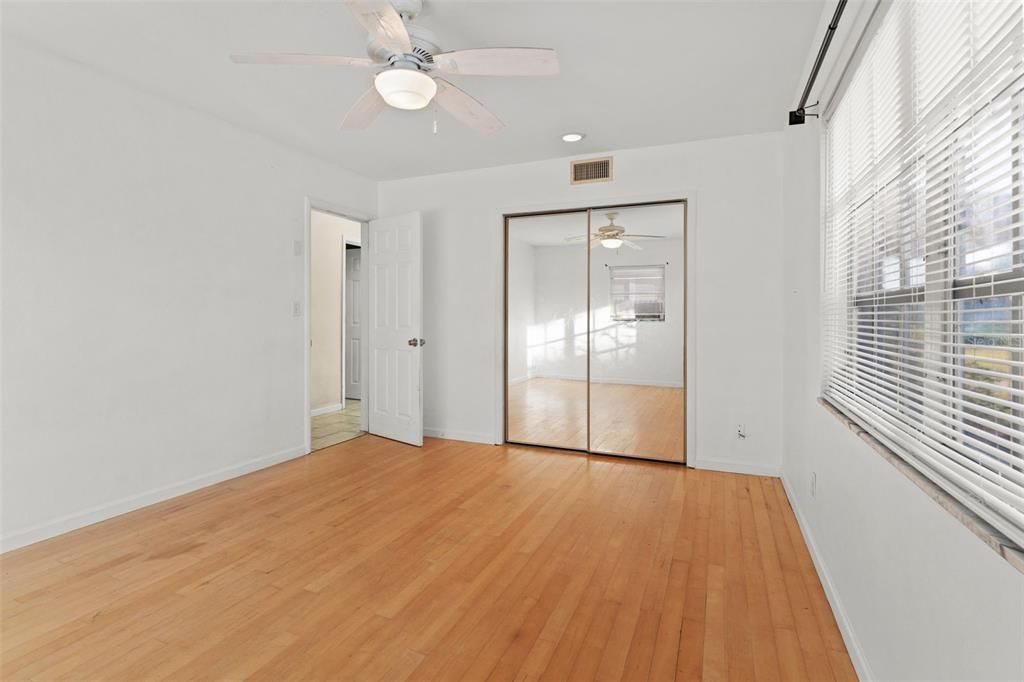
(518, 380)
(635, 382)
(727, 466)
(326, 409)
(860, 662)
(87, 517)
(468, 436)
(627, 382)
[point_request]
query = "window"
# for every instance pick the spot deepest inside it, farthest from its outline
(924, 247)
(637, 292)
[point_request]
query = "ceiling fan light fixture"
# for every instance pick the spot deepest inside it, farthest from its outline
(611, 243)
(405, 88)
(573, 137)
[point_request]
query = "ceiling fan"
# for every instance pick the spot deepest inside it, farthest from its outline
(409, 61)
(612, 236)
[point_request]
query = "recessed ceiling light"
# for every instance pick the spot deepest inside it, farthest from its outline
(572, 137)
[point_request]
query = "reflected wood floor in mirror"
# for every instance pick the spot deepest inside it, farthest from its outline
(548, 412)
(626, 419)
(374, 560)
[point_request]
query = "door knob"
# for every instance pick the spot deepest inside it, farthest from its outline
(423, 342)
(414, 342)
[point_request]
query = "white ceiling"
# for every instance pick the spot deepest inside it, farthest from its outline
(634, 73)
(551, 230)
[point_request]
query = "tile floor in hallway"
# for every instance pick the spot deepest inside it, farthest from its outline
(337, 427)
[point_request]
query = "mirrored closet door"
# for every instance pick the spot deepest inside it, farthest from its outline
(595, 330)
(546, 346)
(637, 332)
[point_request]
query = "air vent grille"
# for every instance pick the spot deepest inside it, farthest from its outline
(590, 170)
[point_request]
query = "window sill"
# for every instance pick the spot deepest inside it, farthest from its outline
(995, 540)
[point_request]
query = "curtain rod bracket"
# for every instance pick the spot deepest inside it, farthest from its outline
(797, 116)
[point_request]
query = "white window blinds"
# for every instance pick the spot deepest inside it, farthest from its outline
(637, 292)
(924, 247)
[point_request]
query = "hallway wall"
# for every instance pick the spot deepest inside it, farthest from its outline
(328, 234)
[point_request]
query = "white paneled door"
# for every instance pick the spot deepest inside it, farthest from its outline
(353, 325)
(392, 269)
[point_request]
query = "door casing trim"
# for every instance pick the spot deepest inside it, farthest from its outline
(311, 204)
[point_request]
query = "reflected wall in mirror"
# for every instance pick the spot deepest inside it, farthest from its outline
(637, 336)
(546, 340)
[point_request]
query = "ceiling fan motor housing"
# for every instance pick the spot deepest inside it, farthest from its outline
(424, 47)
(611, 228)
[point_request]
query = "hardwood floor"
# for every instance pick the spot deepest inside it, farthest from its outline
(373, 560)
(626, 419)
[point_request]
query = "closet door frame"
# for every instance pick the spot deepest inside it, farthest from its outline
(686, 350)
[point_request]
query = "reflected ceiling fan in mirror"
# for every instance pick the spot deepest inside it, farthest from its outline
(612, 236)
(410, 62)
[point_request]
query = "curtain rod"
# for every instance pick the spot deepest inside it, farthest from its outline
(799, 115)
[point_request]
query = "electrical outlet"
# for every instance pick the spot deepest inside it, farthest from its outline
(814, 485)
(296, 309)
(741, 431)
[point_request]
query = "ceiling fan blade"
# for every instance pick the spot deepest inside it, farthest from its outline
(462, 106)
(647, 236)
(579, 238)
(499, 61)
(364, 111)
(287, 58)
(382, 22)
(631, 245)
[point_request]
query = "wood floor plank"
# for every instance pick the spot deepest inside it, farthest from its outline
(659, 593)
(765, 657)
(739, 648)
(588, 553)
(812, 646)
(690, 656)
(373, 560)
(842, 668)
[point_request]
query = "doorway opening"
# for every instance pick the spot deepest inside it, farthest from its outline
(595, 330)
(335, 317)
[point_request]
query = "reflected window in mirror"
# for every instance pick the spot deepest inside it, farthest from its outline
(637, 293)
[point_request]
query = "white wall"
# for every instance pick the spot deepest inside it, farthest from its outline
(328, 234)
(644, 353)
(520, 307)
(919, 595)
(149, 277)
(735, 188)
(558, 340)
